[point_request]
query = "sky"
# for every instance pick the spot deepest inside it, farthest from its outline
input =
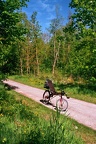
(46, 11)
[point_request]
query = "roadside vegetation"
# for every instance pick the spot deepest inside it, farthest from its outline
(22, 120)
(79, 91)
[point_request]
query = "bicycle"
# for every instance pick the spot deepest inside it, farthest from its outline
(61, 103)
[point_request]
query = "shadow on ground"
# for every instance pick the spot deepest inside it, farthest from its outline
(9, 87)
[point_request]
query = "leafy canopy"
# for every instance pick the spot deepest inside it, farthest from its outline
(85, 12)
(10, 17)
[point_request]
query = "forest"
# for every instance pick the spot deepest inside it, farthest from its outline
(68, 50)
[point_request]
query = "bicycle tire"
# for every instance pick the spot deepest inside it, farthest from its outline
(46, 96)
(62, 104)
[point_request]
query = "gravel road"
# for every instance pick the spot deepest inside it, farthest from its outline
(83, 112)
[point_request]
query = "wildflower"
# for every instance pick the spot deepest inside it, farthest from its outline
(1, 114)
(4, 140)
(76, 127)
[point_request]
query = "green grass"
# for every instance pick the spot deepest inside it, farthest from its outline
(23, 121)
(79, 91)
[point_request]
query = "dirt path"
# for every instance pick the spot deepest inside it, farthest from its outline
(83, 112)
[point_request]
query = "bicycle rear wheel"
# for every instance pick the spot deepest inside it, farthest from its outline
(46, 96)
(62, 104)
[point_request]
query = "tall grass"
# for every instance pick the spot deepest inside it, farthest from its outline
(19, 125)
(59, 131)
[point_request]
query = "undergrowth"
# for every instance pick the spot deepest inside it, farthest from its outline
(20, 125)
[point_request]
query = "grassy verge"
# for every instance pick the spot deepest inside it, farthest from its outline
(79, 91)
(25, 121)
(22, 120)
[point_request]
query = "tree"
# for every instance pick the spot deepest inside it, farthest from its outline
(10, 29)
(55, 26)
(35, 35)
(85, 13)
(84, 24)
(24, 47)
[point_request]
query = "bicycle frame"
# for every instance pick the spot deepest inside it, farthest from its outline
(50, 93)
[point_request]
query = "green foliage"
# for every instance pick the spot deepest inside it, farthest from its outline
(10, 29)
(57, 132)
(9, 59)
(81, 58)
(70, 50)
(85, 13)
(19, 124)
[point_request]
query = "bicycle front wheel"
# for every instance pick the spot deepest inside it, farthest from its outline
(46, 96)
(62, 104)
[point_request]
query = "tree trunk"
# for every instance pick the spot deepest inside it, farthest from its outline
(21, 67)
(37, 60)
(56, 55)
(27, 61)
(54, 62)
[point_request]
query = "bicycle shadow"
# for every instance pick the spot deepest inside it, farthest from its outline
(47, 103)
(51, 104)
